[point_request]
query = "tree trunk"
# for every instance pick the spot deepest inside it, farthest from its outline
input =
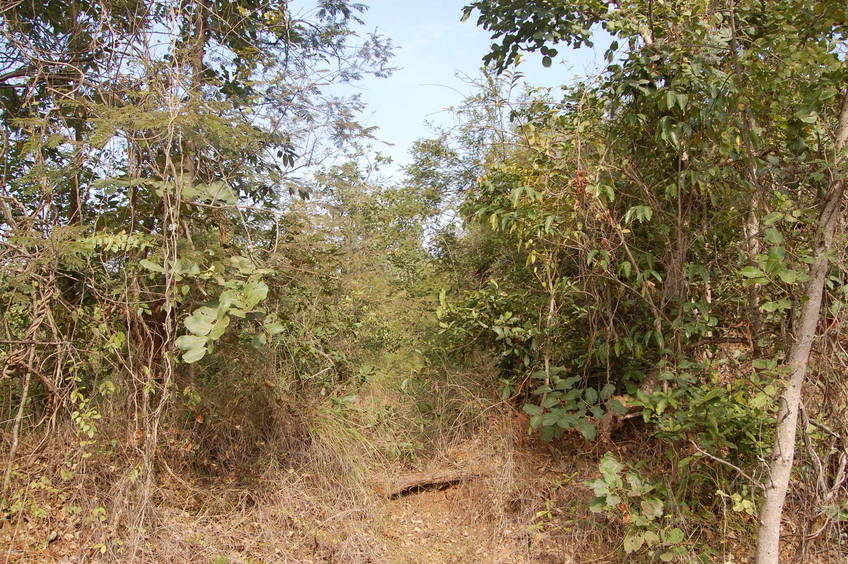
(783, 454)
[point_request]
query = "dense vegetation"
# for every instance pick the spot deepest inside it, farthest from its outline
(208, 286)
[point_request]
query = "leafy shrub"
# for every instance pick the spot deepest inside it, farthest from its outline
(624, 495)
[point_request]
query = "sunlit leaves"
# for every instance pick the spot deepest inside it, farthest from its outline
(534, 26)
(640, 213)
(194, 347)
(201, 321)
(254, 292)
(207, 324)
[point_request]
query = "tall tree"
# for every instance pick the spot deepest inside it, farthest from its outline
(147, 143)
(783, 454)
(698, 73)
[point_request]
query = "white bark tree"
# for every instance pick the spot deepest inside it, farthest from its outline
(783, 453)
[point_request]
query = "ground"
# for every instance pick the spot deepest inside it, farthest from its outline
(487, 515)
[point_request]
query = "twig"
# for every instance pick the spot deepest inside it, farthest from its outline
(820, 426)
(16, 428)
(730, 464)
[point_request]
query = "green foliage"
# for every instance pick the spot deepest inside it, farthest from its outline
(564, 405)
(649, 233)
(624, 495)
(207, 324)
(535, 26)
(613, 223)
(732, 417)
(166, 288)
(636, 243)
(85, 413)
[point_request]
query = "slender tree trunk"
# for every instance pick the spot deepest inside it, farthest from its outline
(783, 454)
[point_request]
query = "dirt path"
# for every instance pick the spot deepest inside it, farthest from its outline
(440, 526)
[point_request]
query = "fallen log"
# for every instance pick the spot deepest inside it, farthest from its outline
(427, 481)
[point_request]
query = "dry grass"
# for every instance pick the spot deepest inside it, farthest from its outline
(267, 485)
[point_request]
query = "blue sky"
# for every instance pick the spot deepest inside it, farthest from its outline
(432, 48)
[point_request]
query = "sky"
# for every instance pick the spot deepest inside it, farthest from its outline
(433, 50)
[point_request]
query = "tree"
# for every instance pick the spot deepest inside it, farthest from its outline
(783, 454)
(703, 104)
(150, 149)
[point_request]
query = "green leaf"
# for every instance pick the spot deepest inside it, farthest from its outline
(807, 115)
(187, 342)
(587, 429)
(531, 409)
(546, 62)
(600, 488)
(590, 395)
(243, 264)
(651, 538)
(777, 253)
(634, 481)
(760, 400)
(217, 192)
(194, 347)
(186, 267)
(674, 536)
(193, 355)
(550, 418)
(617, 406)
(773, 236)
(219, 328)
(788, 276)
(751, 272)
(779, 305)
(567, 383)
(255, 292)
(259, 340)
(567, 420)
(772, 218)
(610, 467)
(201, 321)
(227, 299)
(152, 266)
(516, 196)
(632, 543)
(535, 421)
(639, 213)
(770, 307)
(274, 327)
(550, 402)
